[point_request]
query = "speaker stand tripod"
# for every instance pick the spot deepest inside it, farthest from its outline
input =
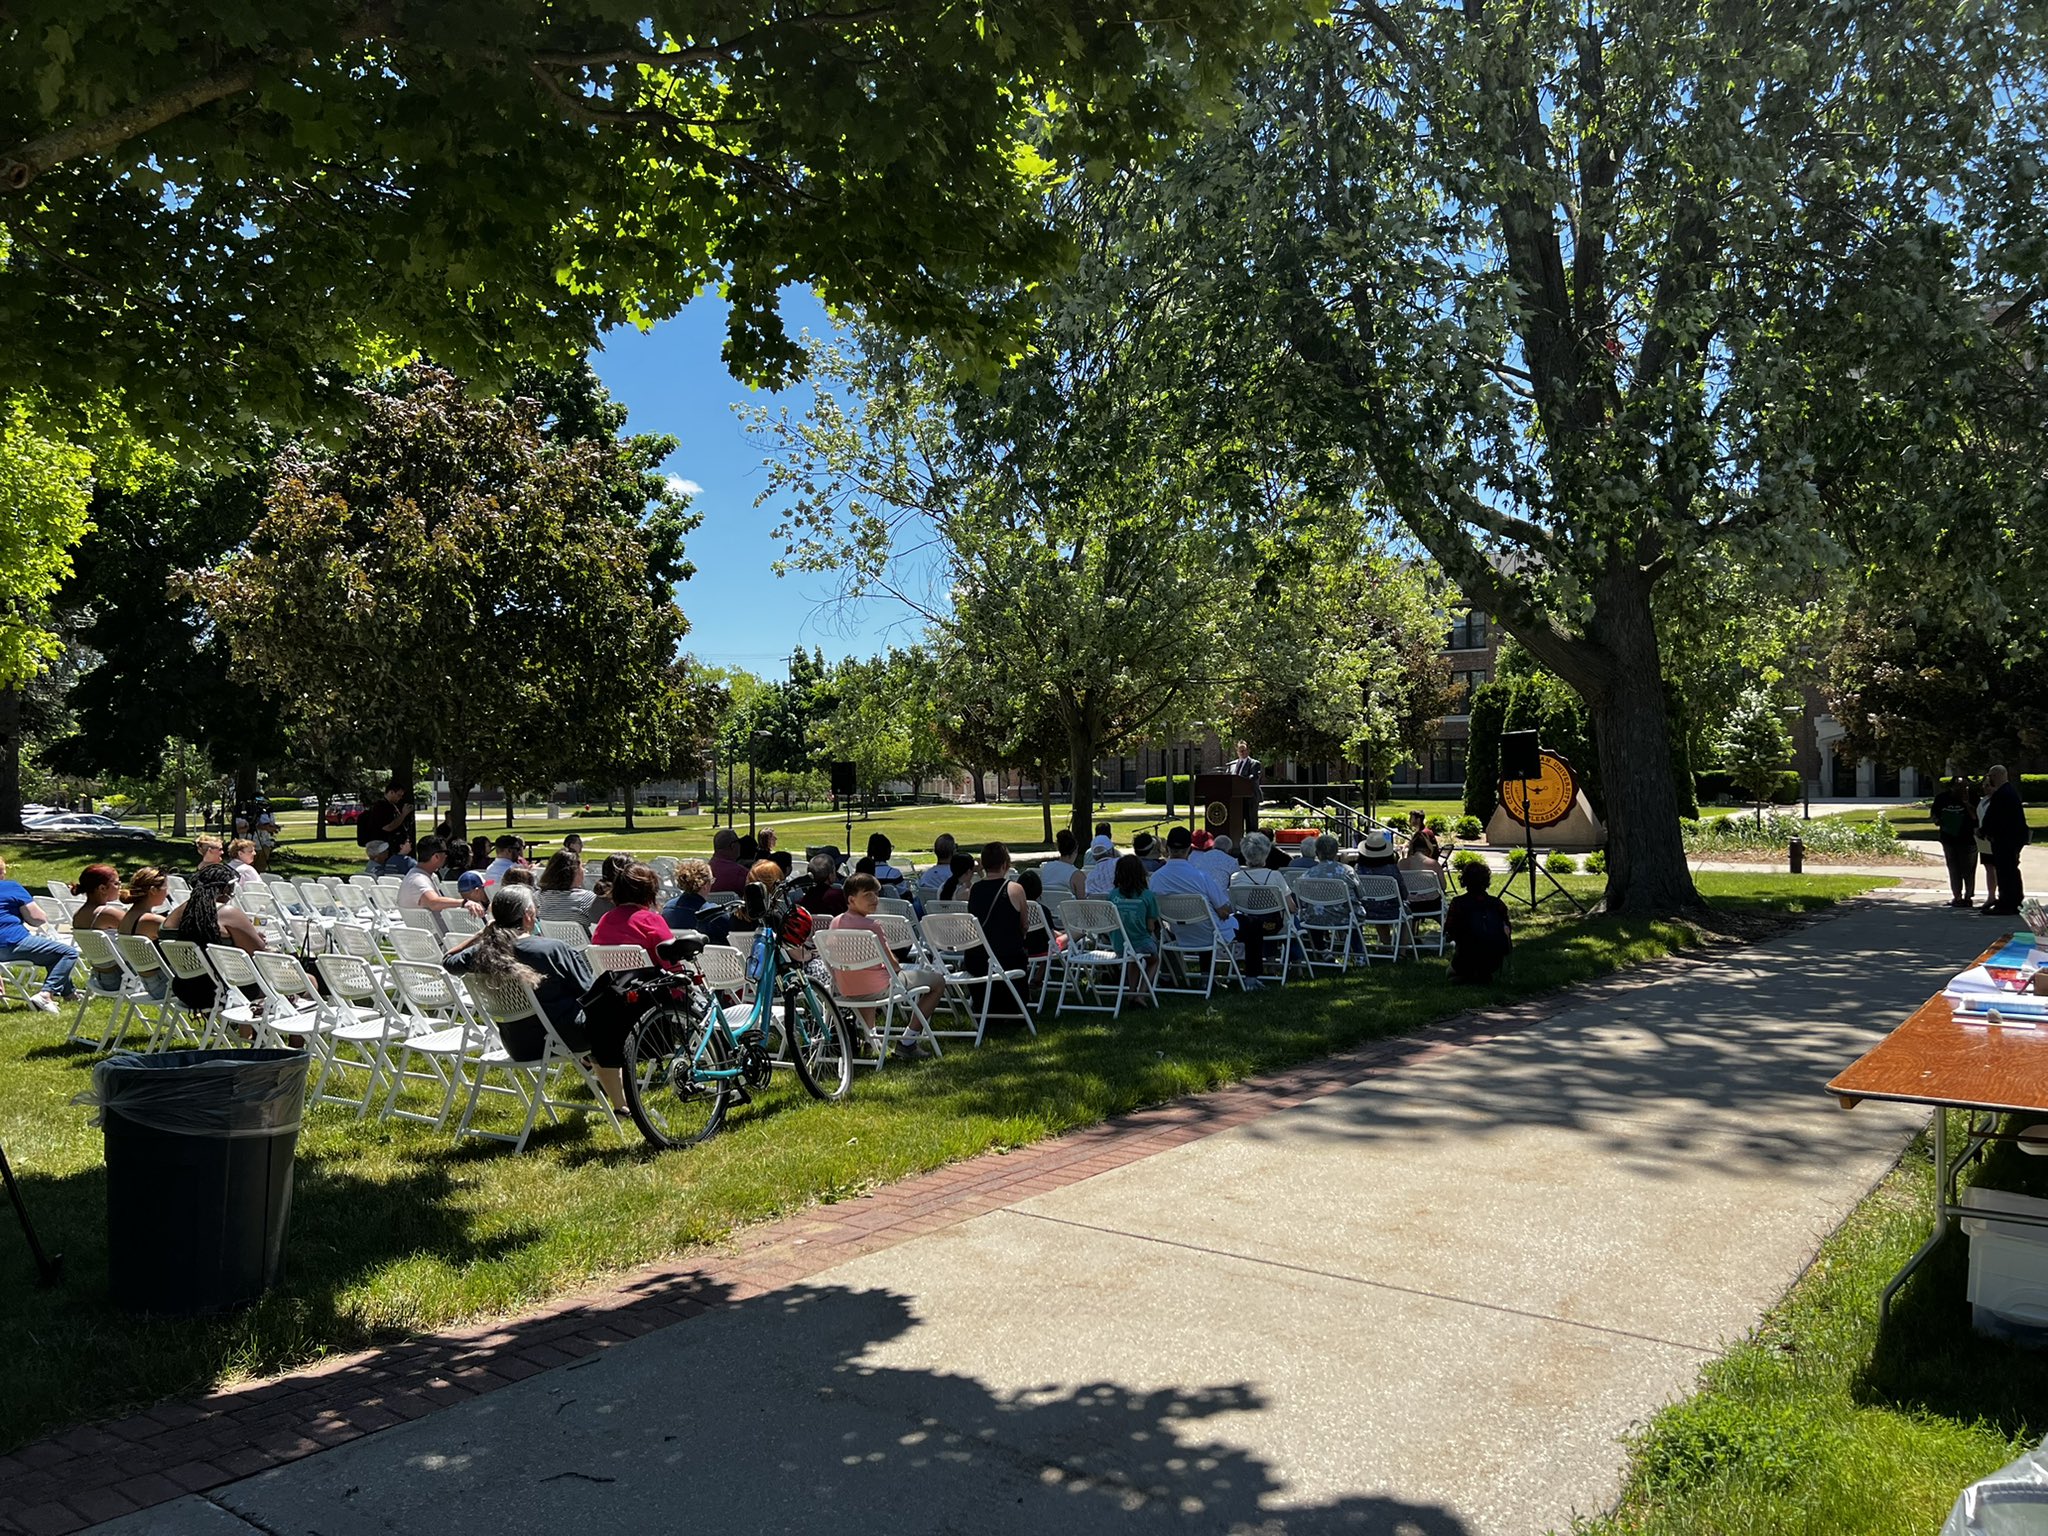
(1532, 900)
(49, 1266)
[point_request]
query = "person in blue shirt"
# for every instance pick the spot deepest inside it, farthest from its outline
(19, 917)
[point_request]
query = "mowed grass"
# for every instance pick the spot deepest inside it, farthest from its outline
(394, 1231)
(1915, 821)
(1821, 1424)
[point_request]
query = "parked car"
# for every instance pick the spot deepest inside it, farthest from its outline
(346, 814)
(85, 824)
(309, 802)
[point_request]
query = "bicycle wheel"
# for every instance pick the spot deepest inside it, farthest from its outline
(674, 1079)
(819, 1044)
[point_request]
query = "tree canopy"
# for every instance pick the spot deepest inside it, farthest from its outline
(221, 212)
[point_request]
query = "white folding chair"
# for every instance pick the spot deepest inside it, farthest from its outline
(615, 957)
(229, 1011)
(1252, 899)
(1038, 972)
(414, 944)
(166, 1016)
(457, 923)
(1382, 917)
(99, 975)
(422, 919)
(445, 1035)
(504, 999)
(1094, 944)
(958, 935)
(847, 954)
(896, 906)
(295, 1007)
(1194, 944)
(1422, 896)
(1328, 921)
(365, 1025)
(575, 935)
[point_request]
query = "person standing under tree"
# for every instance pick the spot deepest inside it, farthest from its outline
(2005, 828)
(389, 821)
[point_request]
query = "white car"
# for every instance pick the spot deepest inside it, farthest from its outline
(85, 824)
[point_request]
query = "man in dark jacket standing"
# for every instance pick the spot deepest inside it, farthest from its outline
(2005, 828)
(1955, 823)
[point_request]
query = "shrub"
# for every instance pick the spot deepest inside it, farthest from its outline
(1825, 835)
(1464, 861)
(1714, 786)
(1469, 827)
(2034, 788)
(1518, 859)
(1561, 864)
(1440, 825)
(1596, 862)
(1183, 787)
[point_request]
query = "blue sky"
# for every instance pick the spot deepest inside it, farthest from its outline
(741, 613)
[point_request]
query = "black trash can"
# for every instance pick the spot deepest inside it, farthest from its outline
(199, 1174)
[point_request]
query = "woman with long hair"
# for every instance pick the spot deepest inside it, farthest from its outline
(100, 885)
(634, 918)
(615, 865)
(209, 916)
(144, 918)
(562, 897)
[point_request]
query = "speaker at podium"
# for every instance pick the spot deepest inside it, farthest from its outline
(1229, 803)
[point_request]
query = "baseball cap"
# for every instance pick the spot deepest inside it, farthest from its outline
(1203, 841)
(469, 880)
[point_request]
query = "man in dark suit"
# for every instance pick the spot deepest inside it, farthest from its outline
(2005, 828)
(1245, 766)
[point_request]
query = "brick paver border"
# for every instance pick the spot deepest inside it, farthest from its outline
(100, 1471)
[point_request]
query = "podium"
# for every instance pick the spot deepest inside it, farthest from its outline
(1229, 804)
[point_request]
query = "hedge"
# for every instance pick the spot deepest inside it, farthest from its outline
(2034, 788)
(1183, 788)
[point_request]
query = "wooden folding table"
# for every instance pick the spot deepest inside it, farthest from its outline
(1982, 1069)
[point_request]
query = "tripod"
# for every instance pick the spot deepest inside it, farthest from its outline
(49, 1266)
(1529, 858)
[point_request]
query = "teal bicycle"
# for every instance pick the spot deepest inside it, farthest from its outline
(688, 1060)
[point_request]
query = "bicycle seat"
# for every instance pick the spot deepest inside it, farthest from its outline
(684, 946)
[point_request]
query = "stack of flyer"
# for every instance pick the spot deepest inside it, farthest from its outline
(2001, 990)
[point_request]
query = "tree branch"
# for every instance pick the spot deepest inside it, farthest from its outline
(26, 161)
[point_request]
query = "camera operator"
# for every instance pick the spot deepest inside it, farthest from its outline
(390, 820)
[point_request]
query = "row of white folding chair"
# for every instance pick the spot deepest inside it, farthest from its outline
(117, 968)
(1193, 941)
(953, 938)
(854, 952)
(1095, 945)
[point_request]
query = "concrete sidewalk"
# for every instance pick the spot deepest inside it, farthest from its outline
(1429, 1303)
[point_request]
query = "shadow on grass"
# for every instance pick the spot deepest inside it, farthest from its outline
(1929, 1359)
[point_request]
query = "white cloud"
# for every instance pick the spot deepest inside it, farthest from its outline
(678, 486)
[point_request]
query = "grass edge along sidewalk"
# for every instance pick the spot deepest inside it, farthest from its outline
(1820, 1424)
(395, 1234)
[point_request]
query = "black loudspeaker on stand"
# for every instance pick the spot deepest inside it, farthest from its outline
(1520, 757)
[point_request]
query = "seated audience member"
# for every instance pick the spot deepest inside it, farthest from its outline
(863, 893)
(1059, 869)
(520, 874)
(1415, 859)
(1477, 928)
(1327, 866)
(615, 864)
(1098, 878)
(747, 850)
(479, 853)
(887, 875)
(783, 860)
(1378, 857)
(562, 897)
(511, 854)
(1213, 856)
(1139, 909)
(420, 887)
(959, 877)
(400, 861)
(1277, 857)
(19, 918)
(767, 874)
(1180, 875)
(207, 849)
(1255, 930)
(573, 843)
(1146, 847)
(824, 898)
(1103, 845)
(242, 860)
(1037, 941)
(727, 872)
(997, 900)
(692, 909)
(633, 918)
(100, 886)
(933, 880)
(764, 843)
(559, 976)
(469, 885)
(374, 854)
(209, 916)
(144, 918)
(458, 854)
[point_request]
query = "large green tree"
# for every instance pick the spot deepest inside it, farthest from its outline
(220, 210)
(453, 586)
(1607, 300)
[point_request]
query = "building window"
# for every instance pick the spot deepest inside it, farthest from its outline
(1447, 762)
(1469, 632)
(1471, 682)
(1843, 783)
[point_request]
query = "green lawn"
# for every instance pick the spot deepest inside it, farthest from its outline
(393, 1231)
(1821, 1424)
(1913, 821)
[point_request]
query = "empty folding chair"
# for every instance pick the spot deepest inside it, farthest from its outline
(503, 999)
(363, 1028)
(1328, 921)
(445, 1036)
(422, 919)
(896, 906)
(413, 944)
(1193, 944)
(575, 935)
(616, 957)
(1382, 917)
(295, 1010)
(458, 924)
(261, 1012)
(958, 936)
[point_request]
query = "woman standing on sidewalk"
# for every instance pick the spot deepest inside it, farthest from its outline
(1955, 824)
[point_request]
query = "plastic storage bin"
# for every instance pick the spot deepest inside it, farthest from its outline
(199, 1174)
(2008, 1267)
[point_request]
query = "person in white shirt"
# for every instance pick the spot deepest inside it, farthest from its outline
(511, 855)
(242, 860)
(1179, 875)
(1099, 878)
(933, 880)
(1059, 869)
(418, 888)
(1214, 858)
(1254, 930)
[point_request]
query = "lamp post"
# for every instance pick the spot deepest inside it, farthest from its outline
(1365, 747)
(753, 742)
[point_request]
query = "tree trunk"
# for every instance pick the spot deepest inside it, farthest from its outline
(319, 817)
(245, 783)
(458, 805)
(10, 760)
(510, 811)
(1045, 799)
(626, 794)
(181, 798)
(1081, 764)
(981, 786)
